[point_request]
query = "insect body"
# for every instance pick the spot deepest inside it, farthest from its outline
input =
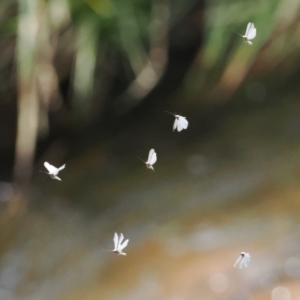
(152, 158)
(53, 171)
(250, 33)
(118, 246)
(180, 122)
(243, 260)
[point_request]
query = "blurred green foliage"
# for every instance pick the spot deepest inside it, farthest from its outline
(98, 60)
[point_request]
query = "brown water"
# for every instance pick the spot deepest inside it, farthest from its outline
(187, 223)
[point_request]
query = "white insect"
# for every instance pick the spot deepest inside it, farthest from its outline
(152, 158)
(243, 260)
(118, 244)
(180, 122)
(53, 171)
(250, 33)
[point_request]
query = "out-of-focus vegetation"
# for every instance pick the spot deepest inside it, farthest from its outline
(86, 83)
(71, 64)
(83, 62)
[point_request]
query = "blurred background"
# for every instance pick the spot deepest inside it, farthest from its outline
(86, 83)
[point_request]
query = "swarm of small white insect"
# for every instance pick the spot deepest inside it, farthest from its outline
(152, 158)
(118, 246)
(180, 122)
(243, 260)
(250, 33)
(53, 171)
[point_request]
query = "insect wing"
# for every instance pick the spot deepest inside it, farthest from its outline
(121, 247)
(152, 157)
(245, 262)
(182, 123)
(50, 168)
(61, 168)
(248, 260)
(120, 240)
(175, 125)
(248, 29)
(238, 260)
(252, 33)
(116, 241)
